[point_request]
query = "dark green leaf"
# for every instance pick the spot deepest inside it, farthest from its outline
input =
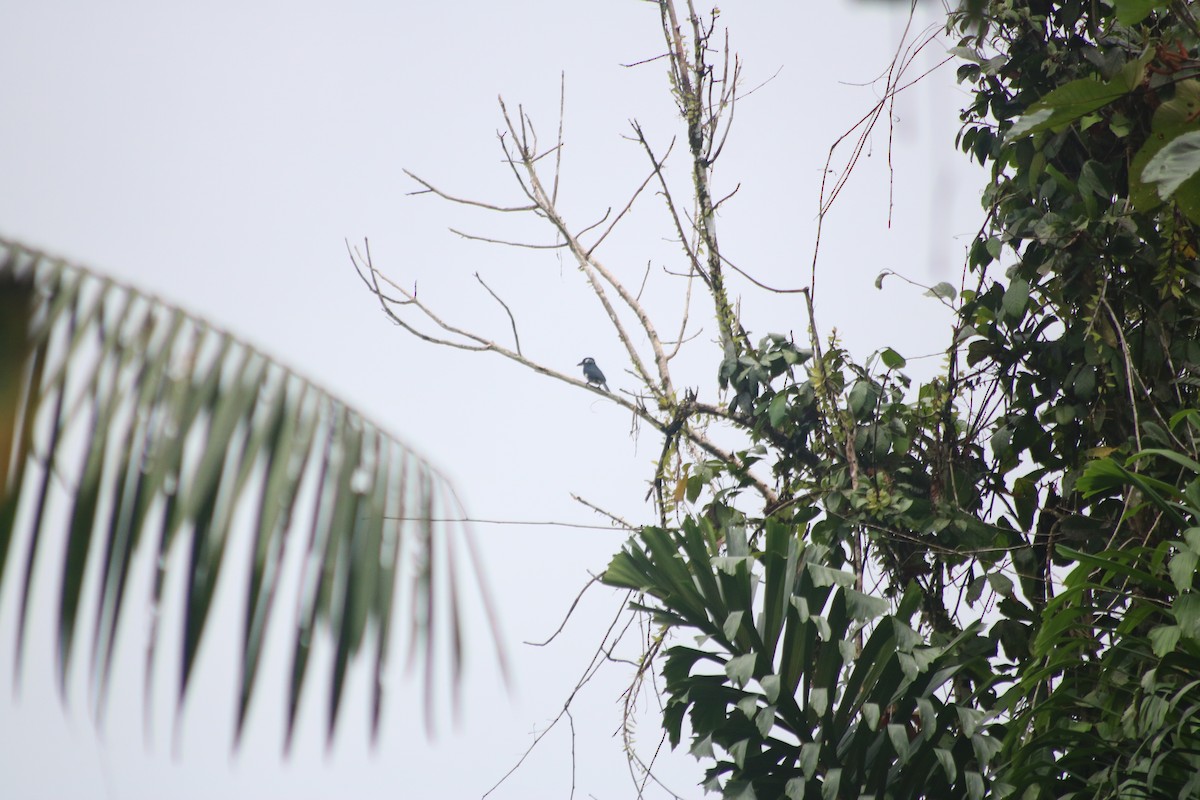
(1175, 162)
(891, 359)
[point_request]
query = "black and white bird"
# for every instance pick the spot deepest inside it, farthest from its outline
(593, 374)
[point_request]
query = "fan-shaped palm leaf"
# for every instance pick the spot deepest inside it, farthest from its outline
(130, 431)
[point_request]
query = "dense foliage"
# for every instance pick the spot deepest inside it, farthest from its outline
(1031, 514)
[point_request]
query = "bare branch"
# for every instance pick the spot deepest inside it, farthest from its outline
(596, 224)
(562, 106)
(759, 283)
(645, 277)
(621, 522)
(629, 205)
(506, 243)
(717, 204)
(693, 257)
(507, 310)
(430, 188)
(649, 60)
(594, 579)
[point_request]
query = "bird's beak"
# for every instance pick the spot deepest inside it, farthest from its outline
(580, 364)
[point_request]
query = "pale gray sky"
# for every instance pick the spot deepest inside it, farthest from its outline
(217, 155)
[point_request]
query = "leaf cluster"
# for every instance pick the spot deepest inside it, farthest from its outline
(968, 498)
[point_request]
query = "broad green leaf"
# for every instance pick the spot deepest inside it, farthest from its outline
(975, 785)
(1131, 12)
(1179, 458)
(810, 755)
(832, 787)
(1192, 537)
(891, 359)
(819, 700)
(969, 718)
(943, 290)
(865, 607)
(778, 408)
(1073, 100)
(1183, 569)
(870, 712)
(824, 576)
(898, 735)
(1175, 162)
(764, 720)
(739, 790)
(740, 669)
(1001, 584)
(1174, 117)
(732, 623)
(1186, 609)
(946, 759)
(1016, 298)
(1033, 121)
(1164, 638)
(738, 751)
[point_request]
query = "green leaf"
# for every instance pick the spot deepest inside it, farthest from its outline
(1016, 297)
(824, 576)
(864, 607)
(1186, 609)
(943, 290)
(1094, 180)
(810, 755)
(770, 685)
(739, 790)
(870, 712)
(975, 785)
(1164, 638)
(819, 700)
(969, 718)
(1131, 12)
(946, 759)
(1174, 117)
(703, 748)
(733, 623)
(1001, 584)
(740, 669)
(764, 720)
(777, 409)
(898, 735)
(831, 789)
(1034, 120)
(1175, 162)
(1073, 100)
(1183, 569)
(891, 359)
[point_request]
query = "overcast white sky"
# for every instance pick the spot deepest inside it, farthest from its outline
(218, 154)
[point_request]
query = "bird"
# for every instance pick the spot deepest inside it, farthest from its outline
(593, 374)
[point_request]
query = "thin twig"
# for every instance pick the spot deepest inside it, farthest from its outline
(430, 188)
(570, 611)
(512, 320)
(506, 243)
